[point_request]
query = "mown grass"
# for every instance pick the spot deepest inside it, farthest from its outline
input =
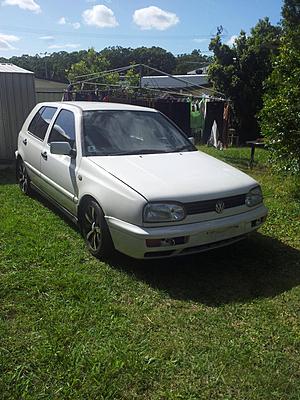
(219, 325)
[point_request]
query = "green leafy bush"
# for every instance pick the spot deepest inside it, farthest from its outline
(280, 116)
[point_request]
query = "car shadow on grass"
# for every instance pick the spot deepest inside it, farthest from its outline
(258, 267)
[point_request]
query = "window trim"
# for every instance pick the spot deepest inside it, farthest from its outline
(54, 121)
(31, 133)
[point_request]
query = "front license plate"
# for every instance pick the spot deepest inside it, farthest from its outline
(227, 232)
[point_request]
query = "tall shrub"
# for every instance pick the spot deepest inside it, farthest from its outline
(280, 116)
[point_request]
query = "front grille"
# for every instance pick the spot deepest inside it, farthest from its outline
(198, 207)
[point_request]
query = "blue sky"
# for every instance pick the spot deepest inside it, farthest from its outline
(39, 26)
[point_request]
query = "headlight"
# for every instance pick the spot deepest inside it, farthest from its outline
(254, 197)
(163, 212)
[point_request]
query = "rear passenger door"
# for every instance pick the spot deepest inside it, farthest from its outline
(32, 143)
(58, 172)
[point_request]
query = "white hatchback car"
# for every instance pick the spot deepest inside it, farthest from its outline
(133, 181)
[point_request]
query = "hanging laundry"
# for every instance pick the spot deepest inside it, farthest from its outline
(226, 116)
(214, 139)
(214, 112)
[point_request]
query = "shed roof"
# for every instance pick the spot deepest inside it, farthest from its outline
(11, 68)
(184, 81)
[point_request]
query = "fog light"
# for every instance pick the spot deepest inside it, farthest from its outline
(257, 222)
(153, 242)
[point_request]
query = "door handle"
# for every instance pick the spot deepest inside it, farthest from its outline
(25, 141)
(44, 155)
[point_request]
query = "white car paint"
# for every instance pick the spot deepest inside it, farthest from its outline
(123, 185)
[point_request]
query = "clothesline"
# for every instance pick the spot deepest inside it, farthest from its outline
(108, 87)
(90, 78)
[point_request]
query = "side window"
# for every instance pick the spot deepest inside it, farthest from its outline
(39, 124)
(63, 129)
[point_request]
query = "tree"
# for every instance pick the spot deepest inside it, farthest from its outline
(188, 62)
(155, 57)
(91, 63)
(132, 78)
(280, 116)
(239, 72)
(117, 56)
(51, 66)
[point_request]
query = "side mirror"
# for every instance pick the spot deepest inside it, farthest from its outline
(62, 148)
(192, 140)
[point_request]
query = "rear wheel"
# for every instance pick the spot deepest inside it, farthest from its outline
(95, 230)
(23, 178)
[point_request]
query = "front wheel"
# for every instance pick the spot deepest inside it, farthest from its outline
(95, 230)
(22, 177)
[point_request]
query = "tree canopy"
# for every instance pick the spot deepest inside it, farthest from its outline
(280, 116)
(57, 66)
(239, 71)
(189, 62)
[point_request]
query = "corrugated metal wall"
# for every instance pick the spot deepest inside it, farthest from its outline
(17, 98)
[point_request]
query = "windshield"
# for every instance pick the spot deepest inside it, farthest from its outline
(130, 132)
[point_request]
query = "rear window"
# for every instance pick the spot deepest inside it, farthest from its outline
(39, 125)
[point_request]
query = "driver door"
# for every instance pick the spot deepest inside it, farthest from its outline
(58, 172)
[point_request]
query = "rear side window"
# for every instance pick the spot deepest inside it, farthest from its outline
(63, 129)
(39, 125)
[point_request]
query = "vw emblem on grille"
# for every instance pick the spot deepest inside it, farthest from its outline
(220, 206)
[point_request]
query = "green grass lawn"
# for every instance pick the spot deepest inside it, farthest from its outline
(219, 325)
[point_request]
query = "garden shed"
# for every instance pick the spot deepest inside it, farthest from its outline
(17, 98)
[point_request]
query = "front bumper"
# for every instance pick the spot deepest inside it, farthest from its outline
(201, 236)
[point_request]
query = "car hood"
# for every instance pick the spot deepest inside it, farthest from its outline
(186, 176)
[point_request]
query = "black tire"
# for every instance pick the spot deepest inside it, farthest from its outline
(23, 177)
(95, 231)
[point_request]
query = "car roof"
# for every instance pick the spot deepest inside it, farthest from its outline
(97, 105)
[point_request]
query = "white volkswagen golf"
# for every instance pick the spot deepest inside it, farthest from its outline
(133, 181)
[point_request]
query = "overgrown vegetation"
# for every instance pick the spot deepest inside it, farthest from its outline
(280, 116)
(90, 66)
(219, 325)
(240, 70)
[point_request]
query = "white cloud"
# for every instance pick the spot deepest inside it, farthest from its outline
(4, 45)
(5, 41)
(62, 21)
(154, 18)
(9, 38)
(64, 46)
(100, 16)
(48, 39)
(200, 40)
(76, 25)
(30, 5)
(232, 40)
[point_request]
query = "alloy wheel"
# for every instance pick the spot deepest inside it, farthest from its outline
(92, 228)
(23, 178)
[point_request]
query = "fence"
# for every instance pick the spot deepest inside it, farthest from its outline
(49, 96)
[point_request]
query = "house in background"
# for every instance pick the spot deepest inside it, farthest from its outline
(175, 82)
(17, 99)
